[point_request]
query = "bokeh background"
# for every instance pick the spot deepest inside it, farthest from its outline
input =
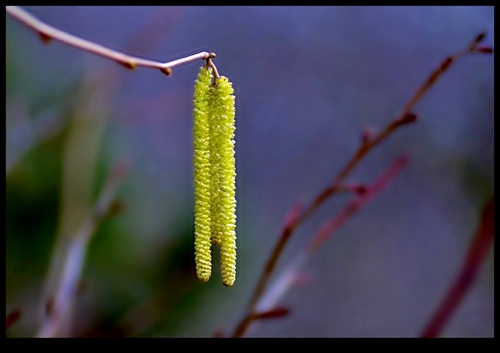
(307, 81)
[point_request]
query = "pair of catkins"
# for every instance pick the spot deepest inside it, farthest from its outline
(214, 174)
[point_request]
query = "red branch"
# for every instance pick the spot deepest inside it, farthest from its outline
(478, 250)
(12, 318)
(360, 201)
(370, 140)
(362, 198)
(272, 314)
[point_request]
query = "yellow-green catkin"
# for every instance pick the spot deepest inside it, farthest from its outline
(223, 211)
(214, 174)
(215, 159)
(202, 173)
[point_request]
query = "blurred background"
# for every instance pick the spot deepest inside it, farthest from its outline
(307, 81)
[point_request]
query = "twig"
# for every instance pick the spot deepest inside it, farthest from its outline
(287, 279)
(59, 304)
(13, 316)
(358, 203)
(48, 32)
(478, 250)
(368, 143)
(271, 314)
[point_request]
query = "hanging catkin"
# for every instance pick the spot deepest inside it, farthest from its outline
(224, 202)
(214, 174)
(202, 177)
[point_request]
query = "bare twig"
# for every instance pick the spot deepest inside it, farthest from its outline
(478, 250)
(271, 313)
(13, 316)
(288, 277)
(48, 32)
(368, 143)
(330, 227)
(60, 303)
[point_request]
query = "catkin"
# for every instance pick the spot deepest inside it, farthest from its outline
(225, 201)
(202, 177)
(214, 174)
(215, 160)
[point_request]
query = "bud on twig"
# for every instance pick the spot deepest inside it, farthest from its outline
(485, 50)
(44, 37)
(480, 37)
(408, 119)
(367, 135)
(272, 314)
(292, 216)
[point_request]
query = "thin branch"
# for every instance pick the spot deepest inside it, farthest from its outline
(358, 203)
(13, 316)
(369, 142)
(478, 250)
(59, 304)
(48, 32)
(272, 313)
(289, 276)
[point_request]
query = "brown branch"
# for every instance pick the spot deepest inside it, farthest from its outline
(478, 250)
(369, 142)
(289, 276)
(48, 33)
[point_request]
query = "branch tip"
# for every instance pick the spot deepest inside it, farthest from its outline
(480, 37)
(293, 216)
(408, 119)
(272, 314)
(367, 135)
(446, 63)
(484, 50)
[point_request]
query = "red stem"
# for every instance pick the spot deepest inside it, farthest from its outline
(358, 203)
(12, 318)
(476, 255)
(369, 142)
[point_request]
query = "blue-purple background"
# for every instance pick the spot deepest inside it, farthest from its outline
(307, 80)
